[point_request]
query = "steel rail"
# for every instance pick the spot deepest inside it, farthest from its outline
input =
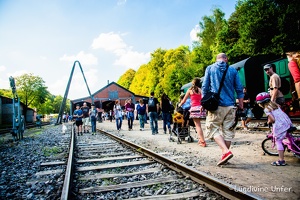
(67, 181)
(225, 189)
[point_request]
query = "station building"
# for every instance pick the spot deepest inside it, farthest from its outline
(106, 96)
(6, 111)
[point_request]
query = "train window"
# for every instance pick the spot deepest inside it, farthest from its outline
(282, 68)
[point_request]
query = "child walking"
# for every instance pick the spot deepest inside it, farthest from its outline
(280, 121)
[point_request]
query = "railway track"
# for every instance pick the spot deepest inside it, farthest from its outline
(105, 166)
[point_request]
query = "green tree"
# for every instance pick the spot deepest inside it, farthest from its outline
(205, 50)
(262, 27)
(6, 93)
(126, 79)
(138, 85)
(31, 90)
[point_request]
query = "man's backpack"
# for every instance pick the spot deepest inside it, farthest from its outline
(151, 102)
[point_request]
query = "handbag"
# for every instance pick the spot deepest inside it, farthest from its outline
(210, 101)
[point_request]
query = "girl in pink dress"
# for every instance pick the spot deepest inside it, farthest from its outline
(281, 123)
(194, 92)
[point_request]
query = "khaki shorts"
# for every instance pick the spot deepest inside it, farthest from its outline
(218, 123)
(85, 121)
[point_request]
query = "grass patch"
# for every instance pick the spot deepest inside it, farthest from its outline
(51, 151)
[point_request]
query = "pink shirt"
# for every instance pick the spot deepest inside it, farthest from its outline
(196, 99)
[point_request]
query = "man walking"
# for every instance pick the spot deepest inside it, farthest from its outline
(152, 108)
(85, 119)
(219, 123)
(78, 119)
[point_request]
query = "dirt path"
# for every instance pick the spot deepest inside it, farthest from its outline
(249, 169)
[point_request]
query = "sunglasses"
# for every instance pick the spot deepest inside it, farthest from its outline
(266, 69)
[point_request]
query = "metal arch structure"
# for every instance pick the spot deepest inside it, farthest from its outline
(63, 104)
(18, 121)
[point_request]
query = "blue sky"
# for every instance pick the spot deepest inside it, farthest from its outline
(45, 37)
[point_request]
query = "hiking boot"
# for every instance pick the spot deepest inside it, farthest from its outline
(225, 158)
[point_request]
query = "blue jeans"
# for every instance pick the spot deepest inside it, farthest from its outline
(153, 122)
(130, 117)
(119, 123)
(166, 120)
(142, 120)
(93, 123)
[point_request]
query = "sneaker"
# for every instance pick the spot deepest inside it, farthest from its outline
(225, 158)
(202, 144)
(84, 131)
(87, 131)
(140, 129)
(279, 163)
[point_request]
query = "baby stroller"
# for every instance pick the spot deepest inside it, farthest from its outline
(181, 127)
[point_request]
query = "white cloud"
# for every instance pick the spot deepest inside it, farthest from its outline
(132, 59)
(4, 84)
(43, 57)
(109, 42)
(114, 43)
(18, 73)
(194, 32)
(2, 68)
(83, 58)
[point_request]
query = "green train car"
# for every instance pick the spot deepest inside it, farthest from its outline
(252, 76)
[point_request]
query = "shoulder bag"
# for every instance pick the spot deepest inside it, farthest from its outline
(211, 99)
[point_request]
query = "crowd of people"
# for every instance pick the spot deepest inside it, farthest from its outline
(219, 123)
